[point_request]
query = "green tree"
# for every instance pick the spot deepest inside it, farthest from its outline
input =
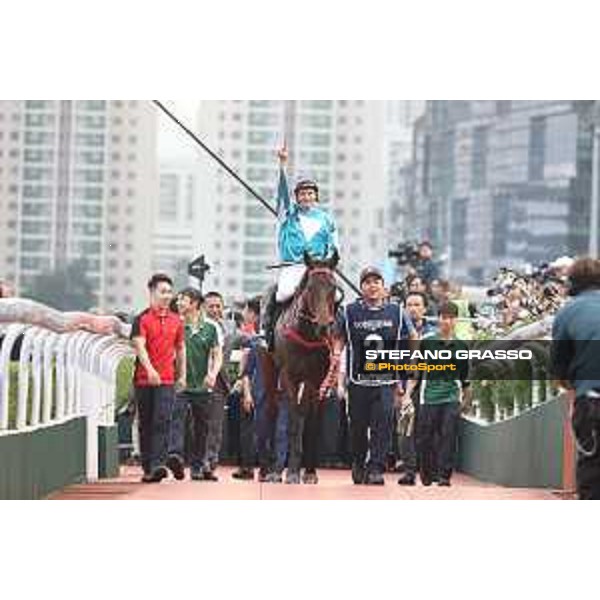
(67, 288)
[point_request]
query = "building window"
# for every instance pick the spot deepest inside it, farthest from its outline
(537, 148)
(479, 158)
(259, 119)
(458, 235)
(316, 121)
(38, 104)
(260, 137)
(258, 248)
(92, 104)
(89, 139)
(503, 107)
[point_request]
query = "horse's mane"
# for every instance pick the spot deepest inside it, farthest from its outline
(291, 312)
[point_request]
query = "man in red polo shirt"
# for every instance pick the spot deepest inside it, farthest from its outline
(158, 337)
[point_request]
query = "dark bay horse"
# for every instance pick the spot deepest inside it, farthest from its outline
(301, 363)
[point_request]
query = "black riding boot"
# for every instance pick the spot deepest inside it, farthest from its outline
(268, 320)
(274, 316)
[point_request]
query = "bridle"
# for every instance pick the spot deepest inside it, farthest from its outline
(306, 309)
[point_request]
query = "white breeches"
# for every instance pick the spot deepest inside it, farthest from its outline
(289, 280)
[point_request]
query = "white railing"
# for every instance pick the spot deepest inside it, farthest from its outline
(60, 376)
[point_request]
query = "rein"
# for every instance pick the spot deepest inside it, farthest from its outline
(297, 313)
(294, 335)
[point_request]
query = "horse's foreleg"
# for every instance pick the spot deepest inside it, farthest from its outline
(312, 426)
(295, 434)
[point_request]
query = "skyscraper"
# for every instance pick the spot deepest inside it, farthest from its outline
(502, 183)
(78, 179)
(400, 117)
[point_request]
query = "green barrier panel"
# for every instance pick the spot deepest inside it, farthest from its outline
(108, 452)
(524, 451)
(34, 464)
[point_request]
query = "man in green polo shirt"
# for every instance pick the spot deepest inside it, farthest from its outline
(441, 396)
(204, 361)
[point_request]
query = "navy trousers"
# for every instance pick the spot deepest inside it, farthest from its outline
(371, 413)
(161, 424)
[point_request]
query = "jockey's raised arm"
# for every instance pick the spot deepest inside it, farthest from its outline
(284, 202)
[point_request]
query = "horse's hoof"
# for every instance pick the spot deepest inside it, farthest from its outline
(292, 478)
(310, 478)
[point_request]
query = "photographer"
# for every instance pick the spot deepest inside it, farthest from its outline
(418, 260)
(425, 267)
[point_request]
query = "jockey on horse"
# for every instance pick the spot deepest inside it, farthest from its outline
(304, 227)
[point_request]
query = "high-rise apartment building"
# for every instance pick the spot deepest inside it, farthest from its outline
(78, 179)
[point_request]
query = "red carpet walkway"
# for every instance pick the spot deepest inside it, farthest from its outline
(333, 485)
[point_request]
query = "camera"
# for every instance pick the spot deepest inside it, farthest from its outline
(398, 291)
(406, 253)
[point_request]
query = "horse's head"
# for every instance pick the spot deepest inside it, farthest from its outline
(317, 307)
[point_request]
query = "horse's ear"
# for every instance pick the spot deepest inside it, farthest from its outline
(307, 259)
(335, 259)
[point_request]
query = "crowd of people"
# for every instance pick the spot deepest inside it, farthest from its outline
(192, 362)
(522, 296)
